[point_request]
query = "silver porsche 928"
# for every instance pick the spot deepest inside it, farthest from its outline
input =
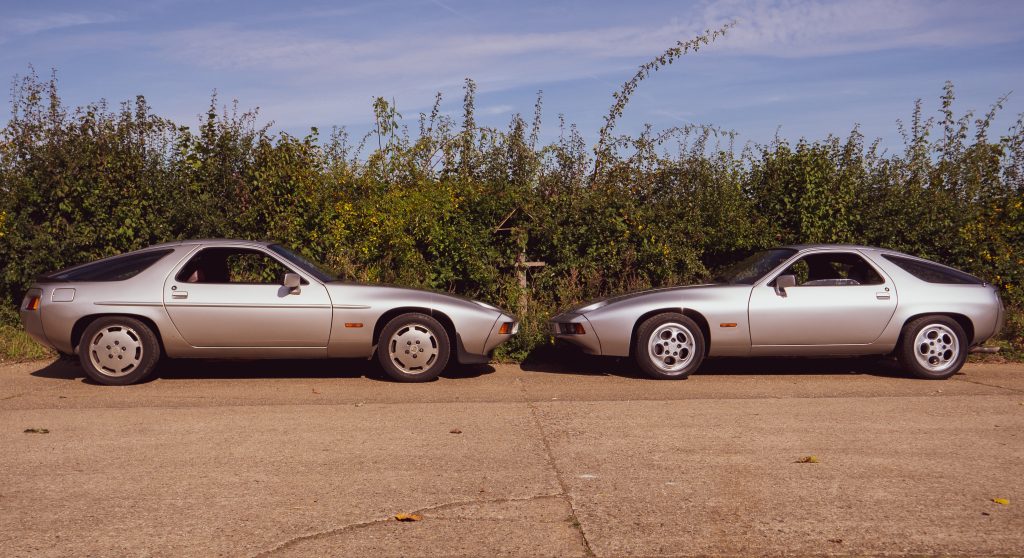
(808, 300)
(241, 299)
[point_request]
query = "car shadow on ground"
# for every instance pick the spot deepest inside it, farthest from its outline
(220, 369)
(568, 359)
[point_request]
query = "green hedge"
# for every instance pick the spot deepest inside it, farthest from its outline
(417, 201)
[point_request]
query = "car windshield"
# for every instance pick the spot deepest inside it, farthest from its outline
(306, 265)
(752, 268)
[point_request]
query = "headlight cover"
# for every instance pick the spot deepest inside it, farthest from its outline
(488, 306)
(592, 306)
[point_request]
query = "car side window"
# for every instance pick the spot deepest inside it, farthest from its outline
(117, 268)
(932, 272)
(233, 266)
(833, 269)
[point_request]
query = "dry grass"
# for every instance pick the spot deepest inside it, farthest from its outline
(16, 345)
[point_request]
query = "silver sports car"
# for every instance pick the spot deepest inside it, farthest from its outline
(809, 300)
(241, 299)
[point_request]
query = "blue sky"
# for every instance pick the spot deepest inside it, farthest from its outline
(804, 67)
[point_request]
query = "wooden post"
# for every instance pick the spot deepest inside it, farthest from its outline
(524, 292)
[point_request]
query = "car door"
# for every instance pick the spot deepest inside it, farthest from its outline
(234, 297)
(839, 299)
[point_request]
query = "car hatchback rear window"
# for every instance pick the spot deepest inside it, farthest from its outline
(117, 268)
(933, 272)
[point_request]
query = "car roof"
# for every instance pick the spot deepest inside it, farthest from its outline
(225, 241)
(820, 246)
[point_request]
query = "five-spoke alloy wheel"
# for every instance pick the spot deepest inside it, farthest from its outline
(933, 347)
(413, 347)
(118, 350)
(669, 346)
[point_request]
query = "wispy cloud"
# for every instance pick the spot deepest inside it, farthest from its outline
(803, 28)
(21, 26)
(788, 28)
(324, 64)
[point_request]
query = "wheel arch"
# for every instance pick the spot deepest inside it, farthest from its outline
(82, 323)
(694, 315)
(446, 322)
(962, 320)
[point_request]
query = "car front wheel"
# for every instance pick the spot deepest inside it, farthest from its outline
(933, 347)
(669, 346)
(413, 347)
(117, 351)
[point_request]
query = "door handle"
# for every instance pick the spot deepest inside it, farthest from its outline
(179, 294)
(882, 295)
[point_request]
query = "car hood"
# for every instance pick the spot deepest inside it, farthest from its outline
(628, 296)
(399, 292)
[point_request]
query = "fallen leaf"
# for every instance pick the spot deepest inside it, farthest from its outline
(836, 541)
(808, 459)
(408, 517)
(455, 431)
(36, 431)
(315, 391)
(359, 404)
(1001, 501)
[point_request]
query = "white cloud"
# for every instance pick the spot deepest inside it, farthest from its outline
(784, 28)
(16, 27)
(299, 72)
(801, 28)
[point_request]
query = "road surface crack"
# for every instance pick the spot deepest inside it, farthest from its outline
(353, 526)
(554, 467)
(989, 385)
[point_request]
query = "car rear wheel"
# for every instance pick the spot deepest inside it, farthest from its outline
(933, 347)
(117, 351)
(669, 346)
(413, 348)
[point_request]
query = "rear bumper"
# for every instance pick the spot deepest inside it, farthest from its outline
(1000, 316)
(32, 320)
(562, 328)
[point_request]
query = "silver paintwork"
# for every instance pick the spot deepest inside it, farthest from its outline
(804, 321)
(206, 320)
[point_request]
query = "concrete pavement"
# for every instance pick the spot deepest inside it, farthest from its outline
(572, 459)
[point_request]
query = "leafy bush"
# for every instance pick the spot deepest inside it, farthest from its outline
(417, 202)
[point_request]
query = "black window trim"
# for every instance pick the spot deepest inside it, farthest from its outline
(801, 255)
(55, 277)
(969, 279)
(195, 253)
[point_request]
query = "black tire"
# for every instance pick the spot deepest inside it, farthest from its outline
(685, 346)
(943, 357)
(424, 338)
(118, 350)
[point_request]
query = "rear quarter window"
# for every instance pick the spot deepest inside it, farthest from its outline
(931, 272)
(117, 268)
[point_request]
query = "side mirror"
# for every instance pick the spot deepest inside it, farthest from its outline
(292, 281)
(783, 282)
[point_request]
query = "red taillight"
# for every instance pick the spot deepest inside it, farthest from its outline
(33, 303)
(506, 328)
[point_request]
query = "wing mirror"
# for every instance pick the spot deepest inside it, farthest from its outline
(292, 281)
(783, 282)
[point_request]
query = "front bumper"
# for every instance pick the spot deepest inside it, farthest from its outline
(563, 327)
(494, 338)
